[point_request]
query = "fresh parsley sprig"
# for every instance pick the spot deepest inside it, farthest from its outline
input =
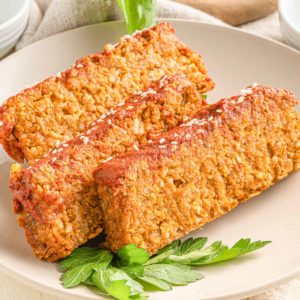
(193, 253)
(127, 274)
(82, 263)
(138, 14)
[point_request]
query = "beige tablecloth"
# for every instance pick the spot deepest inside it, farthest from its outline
(52, 16)
(48, 17)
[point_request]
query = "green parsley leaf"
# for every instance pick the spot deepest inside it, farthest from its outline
(78, 256)
(242, 247)
(139, 297)
(119, 290)
(103, 279)
(173, 274)
(130, 255)
(77, 275)
(191, 245)
(138, 14)
(181, 252)
(194, 256)
(204, 96)
(174, 245)
(164, 253)
(84, 269)
(216, 252)
(134, 271)
(156, 283)
(160, 257)
(88, 282)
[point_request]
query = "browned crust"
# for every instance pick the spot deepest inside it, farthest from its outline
(56, 197)
(112, 172)
(36, 119)
(157, 194)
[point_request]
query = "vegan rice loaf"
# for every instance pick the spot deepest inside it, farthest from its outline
(56, 197)
(195, 173)
(57, 109)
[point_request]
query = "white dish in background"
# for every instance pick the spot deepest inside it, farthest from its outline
(9, 44)
(13, 20)
(11, 12)
(289, 12)
(14, 32)
(234, 59)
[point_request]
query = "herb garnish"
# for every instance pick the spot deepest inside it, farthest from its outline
(138, 14)
(127, 274)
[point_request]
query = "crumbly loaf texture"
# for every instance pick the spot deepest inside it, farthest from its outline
(56, 197)
(193, 174)
(37, 119)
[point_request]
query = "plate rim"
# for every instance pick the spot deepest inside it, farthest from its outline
(180, 20)
(250, 291)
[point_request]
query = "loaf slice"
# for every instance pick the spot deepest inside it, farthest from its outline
(39, 118)
(56, 197)
(201, 170)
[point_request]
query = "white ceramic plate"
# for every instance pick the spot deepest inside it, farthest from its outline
(234, 59)
(289, 11)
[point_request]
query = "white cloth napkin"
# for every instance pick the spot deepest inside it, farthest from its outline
(48, 17)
